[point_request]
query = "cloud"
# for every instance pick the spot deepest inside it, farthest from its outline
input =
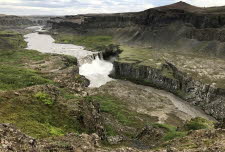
(71, 7)
(205, 3)
(68, 7)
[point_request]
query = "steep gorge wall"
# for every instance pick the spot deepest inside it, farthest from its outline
(207, 97)
(11, 21)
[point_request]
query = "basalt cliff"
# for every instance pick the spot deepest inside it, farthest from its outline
(12, 21)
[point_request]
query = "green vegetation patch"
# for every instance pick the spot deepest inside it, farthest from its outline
(34, 113)
(90, 42)
(44, 97)
(11, 40)
(197, 124)
(120, 112)
(20, 57)
(168, 73)
(13, 57)
(35, 118)
(12, 77)
(171, 131)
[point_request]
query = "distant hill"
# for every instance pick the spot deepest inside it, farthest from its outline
(181, 6)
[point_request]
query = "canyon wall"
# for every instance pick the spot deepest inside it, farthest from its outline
(207, 97)
(11, 21)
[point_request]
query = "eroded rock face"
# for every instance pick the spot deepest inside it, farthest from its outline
(151, 136)
(14, 140)
(208, 97)
(91, 118)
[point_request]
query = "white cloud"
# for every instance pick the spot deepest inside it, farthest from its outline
(205, 3)
(68, 7)
(71, 7)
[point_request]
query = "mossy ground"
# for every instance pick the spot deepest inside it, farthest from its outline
(171, 131)
(36, 117)
(12, 77)
(11, 40)
(35, 113)
(89, 42)
(118, 112)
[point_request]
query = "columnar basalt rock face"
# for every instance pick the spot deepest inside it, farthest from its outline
(208, 97)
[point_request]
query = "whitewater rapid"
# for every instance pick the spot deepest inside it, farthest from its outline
(96, 70)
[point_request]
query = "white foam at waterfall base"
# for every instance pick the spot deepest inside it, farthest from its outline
(97, 72)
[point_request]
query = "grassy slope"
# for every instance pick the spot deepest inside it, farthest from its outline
(35, 117)
(119, 115)
(13, 57)
(89, 42)
(26, 110)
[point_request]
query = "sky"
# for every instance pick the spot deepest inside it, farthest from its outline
(73, 7)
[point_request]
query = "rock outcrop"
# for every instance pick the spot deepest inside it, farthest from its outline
(208, 97)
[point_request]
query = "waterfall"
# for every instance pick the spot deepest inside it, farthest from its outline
(91, 64)
(97, 71)
(90, 58)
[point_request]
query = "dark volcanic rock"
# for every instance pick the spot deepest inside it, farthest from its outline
(13, 139)
(91, 118)
(111, 50)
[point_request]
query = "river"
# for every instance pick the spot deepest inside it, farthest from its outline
(96, 70)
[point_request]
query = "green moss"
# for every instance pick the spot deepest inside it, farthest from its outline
(198, 123)
(171, 131)
(180, 93)
(44, 97)
(110, 105)
(12, 77)
(19, 57)
(167, 73)
(28, 111)
(121, 114)
(12, 59)
(11, 40)
(173, 135)
(70, 60)
(56, 131)
(35, 118)
(90, 42)
(110, 130)
(66, 94)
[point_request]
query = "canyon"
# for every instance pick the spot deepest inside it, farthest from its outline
(150, 81)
